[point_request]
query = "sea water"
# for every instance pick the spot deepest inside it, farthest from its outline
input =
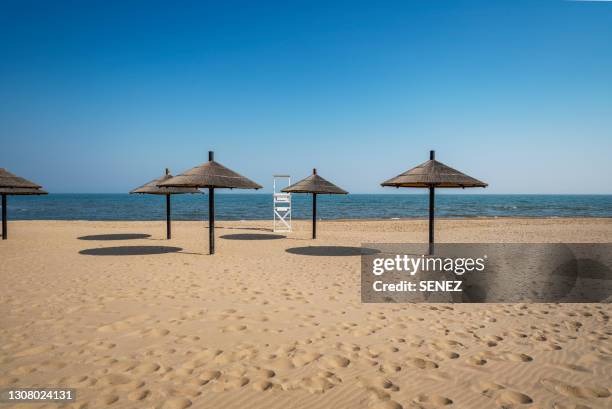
(258, 206)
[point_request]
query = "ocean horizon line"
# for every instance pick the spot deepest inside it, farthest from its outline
(439, 192)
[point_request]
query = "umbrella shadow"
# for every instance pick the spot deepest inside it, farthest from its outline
(121, 236)
(336, 251)
(250, 236)
(131, 251)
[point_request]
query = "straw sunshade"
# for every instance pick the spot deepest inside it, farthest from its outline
(7, 179)
(210, 175)
(11, 184)
(315, 185)
(152, 188)
(433, 174)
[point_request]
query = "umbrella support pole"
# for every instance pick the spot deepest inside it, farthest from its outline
(314, 216)
(168, 222)
(4, 224)
(211, 220)
(432, 199)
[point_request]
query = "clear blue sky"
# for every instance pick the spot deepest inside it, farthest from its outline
(100, 96)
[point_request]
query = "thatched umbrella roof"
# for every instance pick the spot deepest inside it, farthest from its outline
(14, 185)
(21, 191)
(7, 179)
(153, 188)
(211, 175)
(433, 173)
(315, 184)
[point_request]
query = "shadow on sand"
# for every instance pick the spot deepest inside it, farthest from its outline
(249, 236)
(331, 251)
(123, 236)
(130, 250)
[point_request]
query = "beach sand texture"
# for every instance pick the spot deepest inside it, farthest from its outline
(268, 322)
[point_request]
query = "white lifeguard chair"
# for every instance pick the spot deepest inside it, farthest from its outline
(282, 204)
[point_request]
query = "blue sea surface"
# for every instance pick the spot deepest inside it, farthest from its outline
(258, 206)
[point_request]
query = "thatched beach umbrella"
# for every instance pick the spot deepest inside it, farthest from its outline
(316, 185)
(211, 175)
(14, 185)
(430, 175)
(152, 188)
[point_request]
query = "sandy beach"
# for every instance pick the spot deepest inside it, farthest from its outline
(132, 320)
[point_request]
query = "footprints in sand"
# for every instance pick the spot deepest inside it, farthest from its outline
(334, 361)
(482, 358)
(442, 355)
(574, 391)
(210, 375)
(114, 380)
(228, 383)
(392, 356)
(422, 363)
(420, 401)
(124, 324)
(433, 400)
(233, 328)
(281, 364)
(379, 382)
(155, 332)
(500, 394)
(145, 368)
(508, 397)
(107, 399)
(387, 404)
(138, 395)
(319, 383)
(262, 385)
(177, 403)
(35, 350)
(302, 358)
